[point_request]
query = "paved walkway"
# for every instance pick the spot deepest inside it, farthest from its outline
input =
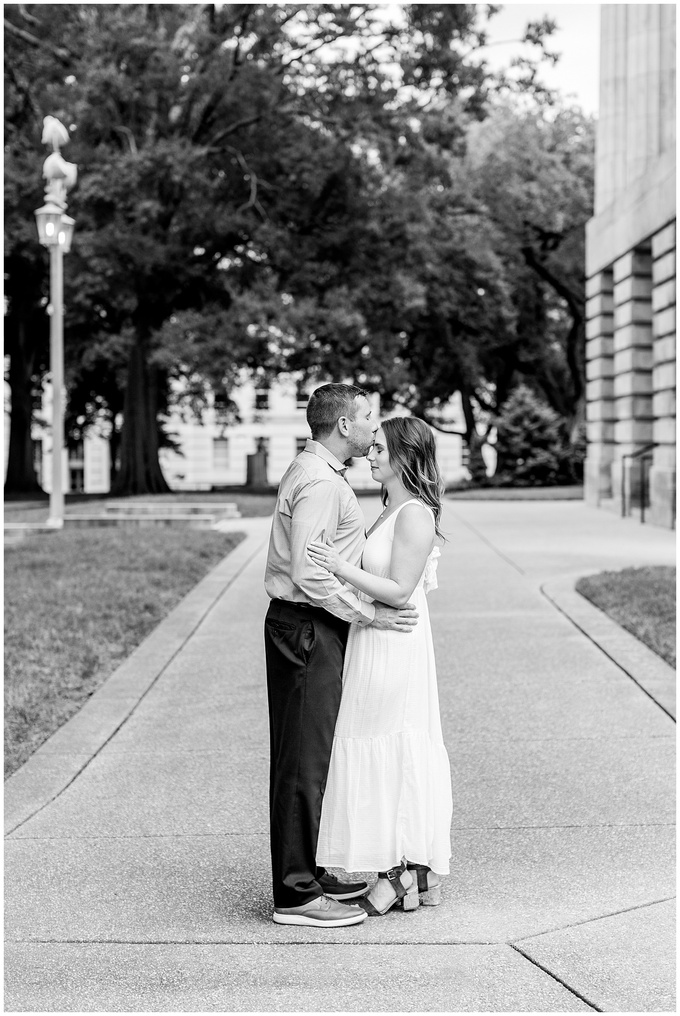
(137, 852)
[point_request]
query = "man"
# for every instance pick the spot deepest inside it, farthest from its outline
(306, 632)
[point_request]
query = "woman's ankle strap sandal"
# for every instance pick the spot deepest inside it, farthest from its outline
(394, 878)
(408, 897)
(430, 894)
(421, 871)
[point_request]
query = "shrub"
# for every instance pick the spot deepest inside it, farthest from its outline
(532, 444)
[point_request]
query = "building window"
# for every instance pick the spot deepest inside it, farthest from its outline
(301, 396)
(261, 398)
(220, 400)
(300, 443)
(220, 454)
(76, 476)
(76, 452)
(76, 466)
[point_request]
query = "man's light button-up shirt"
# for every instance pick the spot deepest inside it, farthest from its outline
(316, 502)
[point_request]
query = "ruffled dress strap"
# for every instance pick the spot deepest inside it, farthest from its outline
(413, 500)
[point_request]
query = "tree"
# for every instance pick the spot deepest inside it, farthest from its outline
(26, 335)
(461, 303)
(534, 171)
(495, 261)
(26, 275)
(531, 444)
(257, 184)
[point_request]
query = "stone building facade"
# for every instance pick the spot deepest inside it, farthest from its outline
(630, 266)
(215, 452)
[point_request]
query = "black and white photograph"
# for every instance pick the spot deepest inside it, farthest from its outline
(340, 508)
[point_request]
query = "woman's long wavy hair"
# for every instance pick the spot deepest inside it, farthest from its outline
(412, 451)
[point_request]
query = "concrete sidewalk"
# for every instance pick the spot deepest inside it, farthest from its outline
(137, 849)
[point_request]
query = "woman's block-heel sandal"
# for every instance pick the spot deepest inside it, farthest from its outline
(408, 897)
(430, 891)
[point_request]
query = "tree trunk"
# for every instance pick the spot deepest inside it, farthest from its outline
(21, 477)
(475, 443)
(575, 345)
(140, 471)
(114, 452)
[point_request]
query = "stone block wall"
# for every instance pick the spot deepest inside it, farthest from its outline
(600, 409)
(630, 379)
(632, 365)
(630, 267)
(662, 473)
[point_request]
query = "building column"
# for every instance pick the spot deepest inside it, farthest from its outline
(633, 356)
(662, 473)
(599, 386)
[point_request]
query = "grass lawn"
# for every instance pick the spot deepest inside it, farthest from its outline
(77, 602)
(641, 600)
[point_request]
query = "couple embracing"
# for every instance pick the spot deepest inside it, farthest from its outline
(359, 775)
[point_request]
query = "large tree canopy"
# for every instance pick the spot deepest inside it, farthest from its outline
(289, 187)
(535, 179)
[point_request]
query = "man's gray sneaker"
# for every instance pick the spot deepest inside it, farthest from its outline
(321, 912)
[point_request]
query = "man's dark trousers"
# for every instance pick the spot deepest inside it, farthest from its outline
(304, 649)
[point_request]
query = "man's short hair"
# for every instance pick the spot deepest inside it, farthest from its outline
(327, 404)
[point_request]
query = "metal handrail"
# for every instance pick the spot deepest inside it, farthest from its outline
(641, 451)
(643, 491)
(642, 454)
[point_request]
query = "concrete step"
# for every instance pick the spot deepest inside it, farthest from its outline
(218, 509)
(12, 536)
(188, 521)
(15, 532)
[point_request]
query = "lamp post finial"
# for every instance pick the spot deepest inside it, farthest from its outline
(54, 133)
(60, 174)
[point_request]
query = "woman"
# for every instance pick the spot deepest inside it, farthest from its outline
(387, 804)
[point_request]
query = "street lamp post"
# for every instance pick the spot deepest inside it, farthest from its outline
(55, 231)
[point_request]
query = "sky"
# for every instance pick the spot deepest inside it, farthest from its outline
(577, 39)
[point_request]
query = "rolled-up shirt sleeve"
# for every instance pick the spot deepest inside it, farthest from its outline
(315, 512)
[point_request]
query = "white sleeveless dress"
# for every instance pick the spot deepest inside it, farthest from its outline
(388, 792)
